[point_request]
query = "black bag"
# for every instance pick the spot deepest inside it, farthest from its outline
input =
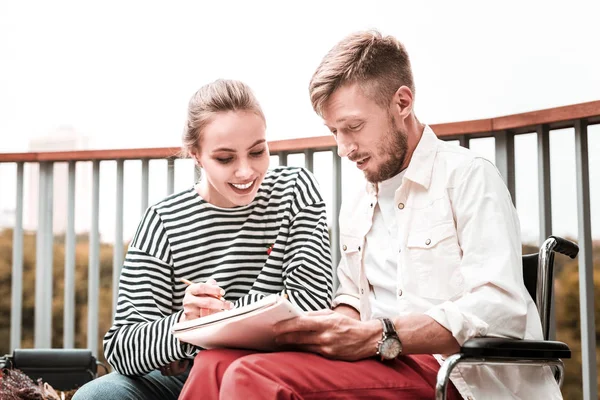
(63, 369)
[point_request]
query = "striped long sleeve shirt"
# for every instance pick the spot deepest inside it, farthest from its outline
(279, 242)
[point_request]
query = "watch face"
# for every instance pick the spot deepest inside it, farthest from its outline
(390, 348)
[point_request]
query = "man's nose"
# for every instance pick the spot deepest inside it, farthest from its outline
(345, 147)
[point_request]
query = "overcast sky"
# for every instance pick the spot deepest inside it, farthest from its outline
(121, 72)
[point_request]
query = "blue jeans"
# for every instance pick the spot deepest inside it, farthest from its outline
(152, 386)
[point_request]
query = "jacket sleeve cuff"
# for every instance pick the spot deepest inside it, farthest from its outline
(347, 299)
(461, 324)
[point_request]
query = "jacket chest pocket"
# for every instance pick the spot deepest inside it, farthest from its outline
(432, 260)
(351, 250)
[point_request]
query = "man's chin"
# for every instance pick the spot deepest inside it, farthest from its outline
(372, 177)
(383, 172)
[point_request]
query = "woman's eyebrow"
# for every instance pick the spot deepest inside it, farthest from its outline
(233, 151)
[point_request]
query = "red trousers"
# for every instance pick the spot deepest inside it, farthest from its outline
(241, 374)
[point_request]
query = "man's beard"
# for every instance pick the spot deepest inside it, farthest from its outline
(392, 148)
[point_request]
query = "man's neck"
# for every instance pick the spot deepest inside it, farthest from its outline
(414, 131)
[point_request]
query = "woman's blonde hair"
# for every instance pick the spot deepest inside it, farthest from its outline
(219, 96)
(380, 65)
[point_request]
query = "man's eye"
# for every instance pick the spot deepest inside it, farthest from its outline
(355, 127)
(224, 160)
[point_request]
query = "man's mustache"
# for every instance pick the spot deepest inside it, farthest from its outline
(357, 157)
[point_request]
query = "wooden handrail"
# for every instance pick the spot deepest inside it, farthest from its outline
(548, 116)
(481, 126)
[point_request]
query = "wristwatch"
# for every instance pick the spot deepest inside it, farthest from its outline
(390, 346)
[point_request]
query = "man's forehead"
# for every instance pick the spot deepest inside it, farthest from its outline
(346, 103)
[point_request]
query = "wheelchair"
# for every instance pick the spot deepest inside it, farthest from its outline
(537, 275)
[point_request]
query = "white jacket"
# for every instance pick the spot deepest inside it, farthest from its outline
(459, 262)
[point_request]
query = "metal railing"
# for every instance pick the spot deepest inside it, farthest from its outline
(503, 129)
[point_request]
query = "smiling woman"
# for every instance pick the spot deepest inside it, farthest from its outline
(242, 232)
(234, 157)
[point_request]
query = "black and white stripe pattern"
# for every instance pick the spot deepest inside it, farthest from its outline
(185, 237)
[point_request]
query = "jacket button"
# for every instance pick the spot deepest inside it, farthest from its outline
(428, 242)
(401, 206)
(399, 292)
(362, 291)
(344, 247)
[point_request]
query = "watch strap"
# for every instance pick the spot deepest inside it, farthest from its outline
(388, 327)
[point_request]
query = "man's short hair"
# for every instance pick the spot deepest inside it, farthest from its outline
(380, 65)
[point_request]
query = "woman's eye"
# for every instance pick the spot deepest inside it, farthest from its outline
(257, 153)
(224, 160)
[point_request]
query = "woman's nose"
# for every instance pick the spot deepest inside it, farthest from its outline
(244, 170)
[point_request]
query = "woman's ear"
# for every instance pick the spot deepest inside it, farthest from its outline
(196, 160)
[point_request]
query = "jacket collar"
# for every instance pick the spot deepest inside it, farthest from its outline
(420, 167)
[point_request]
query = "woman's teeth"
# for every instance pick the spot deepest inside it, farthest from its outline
(243, 186)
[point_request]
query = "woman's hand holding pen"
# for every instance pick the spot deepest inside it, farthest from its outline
(202, 299)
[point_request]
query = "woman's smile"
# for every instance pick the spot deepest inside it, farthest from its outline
(242, 188)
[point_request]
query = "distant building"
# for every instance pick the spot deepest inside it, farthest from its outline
(7, 218)
(64, 138)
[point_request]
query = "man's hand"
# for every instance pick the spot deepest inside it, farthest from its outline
(174, 368)
(347, 311)
(331, 334)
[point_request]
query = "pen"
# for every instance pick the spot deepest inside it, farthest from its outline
(188, 282)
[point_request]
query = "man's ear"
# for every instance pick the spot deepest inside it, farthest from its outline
(403, 102)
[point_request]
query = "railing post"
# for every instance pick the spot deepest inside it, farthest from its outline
(94, 264)
(505, 160)
(586, 266)
(170, 175)
(43, 262)
(197, 174)
(309, 156)
(17, 266)
(69, 311)
(545, 203)
(463, 140)
(544, 186)
(145, 182)
(282, 158)
(118, 244)
(49, 250)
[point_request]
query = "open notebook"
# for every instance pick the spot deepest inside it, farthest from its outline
(248, 327)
